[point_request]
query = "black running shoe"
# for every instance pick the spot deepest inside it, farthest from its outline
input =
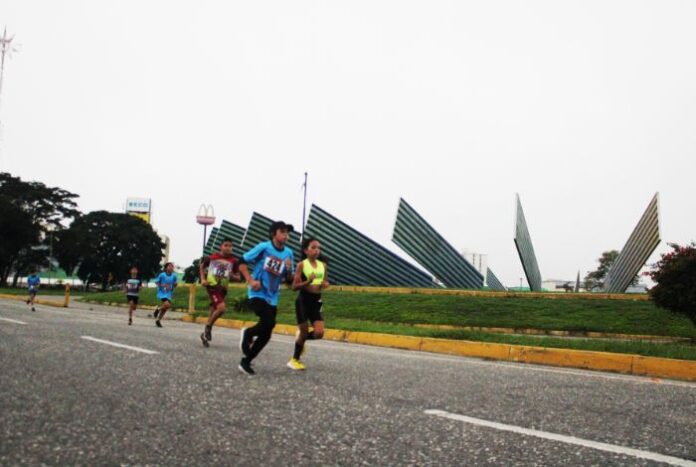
(209, 333)
(33, 309)
(159, 325)
(130, 321)
(245, 367)
(28, 302)
(204, 340)
(155, 314)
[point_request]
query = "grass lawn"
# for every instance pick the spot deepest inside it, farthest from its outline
(395, 314)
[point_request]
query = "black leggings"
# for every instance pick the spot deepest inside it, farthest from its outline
(261, 330)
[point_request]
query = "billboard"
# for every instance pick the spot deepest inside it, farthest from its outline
(139, 207)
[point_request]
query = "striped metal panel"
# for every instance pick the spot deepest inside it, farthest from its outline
(640, 245)
(523, 243)
(354, 259)
(257, 232)
(226, 230)
(429, 249)
(210, 244)
(493, 283)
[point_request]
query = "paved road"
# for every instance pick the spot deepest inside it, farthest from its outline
(65, 399)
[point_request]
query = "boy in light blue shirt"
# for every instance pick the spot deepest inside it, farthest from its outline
(273, 265)
(33, 283)
(166, 283)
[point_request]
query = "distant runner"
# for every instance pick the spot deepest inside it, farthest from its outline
(132, 287)
(33, 284)
(166, 283)
(216, 271)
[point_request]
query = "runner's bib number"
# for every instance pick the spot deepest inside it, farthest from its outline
(274, 265)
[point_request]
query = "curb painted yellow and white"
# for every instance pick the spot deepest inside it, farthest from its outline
(585, 359)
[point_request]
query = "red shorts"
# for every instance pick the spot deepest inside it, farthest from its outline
(217, 295)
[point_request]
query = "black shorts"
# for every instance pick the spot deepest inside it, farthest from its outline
(261, 307)
(308, 308)
(132, 298)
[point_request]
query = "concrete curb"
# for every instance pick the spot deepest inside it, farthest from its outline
(568, 358)
(554, 333)
(38, 301)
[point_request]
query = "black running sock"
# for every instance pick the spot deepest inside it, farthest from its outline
(298, 351)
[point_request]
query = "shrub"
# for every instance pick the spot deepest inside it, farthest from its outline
(675, 276)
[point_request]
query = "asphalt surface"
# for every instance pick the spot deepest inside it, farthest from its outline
(66, 400)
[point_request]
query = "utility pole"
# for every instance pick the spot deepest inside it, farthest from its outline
(304, 206)
(6, 49)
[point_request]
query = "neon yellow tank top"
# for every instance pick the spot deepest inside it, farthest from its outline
(308, 269)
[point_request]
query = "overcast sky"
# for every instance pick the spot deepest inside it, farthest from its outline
(585, 108)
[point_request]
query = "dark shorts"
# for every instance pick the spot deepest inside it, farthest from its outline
(217, 295)
(132, 298)
(33, 291)
(261, 307)
(308, 308)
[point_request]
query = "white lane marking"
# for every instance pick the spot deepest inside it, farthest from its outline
(122, 346)
(566, 439)
(12, 321)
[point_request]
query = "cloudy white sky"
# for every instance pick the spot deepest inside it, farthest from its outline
(586, 108)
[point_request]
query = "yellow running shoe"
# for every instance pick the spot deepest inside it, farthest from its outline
(295, 364)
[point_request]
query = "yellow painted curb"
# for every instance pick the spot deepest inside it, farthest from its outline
(384, 340)
(568, 358)
(556, 333)
(471, 349)
(38, 301)
(664, 367)
(602, 361)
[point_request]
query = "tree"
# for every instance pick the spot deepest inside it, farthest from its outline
(47, 206)
(104, 246)
(17, 233)
(595, 279)
(675, 278)
(29, 210)
(191, 273)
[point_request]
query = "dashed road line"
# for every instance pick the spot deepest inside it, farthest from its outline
(653, 456)
(121, 346)
(13, 321)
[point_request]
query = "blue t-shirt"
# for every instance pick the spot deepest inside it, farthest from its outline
(33, 282)
(270, 269)
(165, 285)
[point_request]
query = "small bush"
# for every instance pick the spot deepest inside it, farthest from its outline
(675, 275)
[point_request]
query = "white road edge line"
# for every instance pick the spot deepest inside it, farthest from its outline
(12, 321)
(122, 346)
(566, 439)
